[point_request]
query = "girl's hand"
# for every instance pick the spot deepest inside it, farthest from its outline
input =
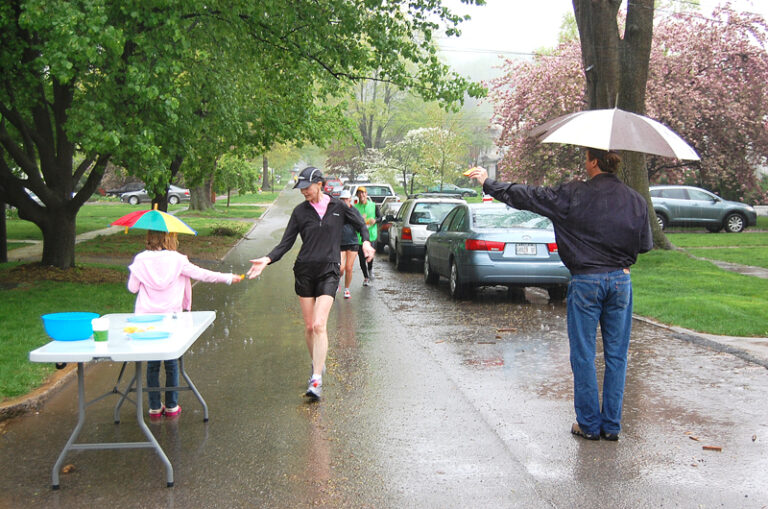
(257, 266)
(236, 278)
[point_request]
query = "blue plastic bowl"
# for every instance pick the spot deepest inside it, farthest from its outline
(69, 326)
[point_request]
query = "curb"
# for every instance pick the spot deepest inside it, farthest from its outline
(754, 350)
(35, 399)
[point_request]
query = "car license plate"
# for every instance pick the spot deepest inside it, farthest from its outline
(525, 249)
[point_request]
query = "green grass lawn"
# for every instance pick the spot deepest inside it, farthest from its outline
(220, 210)
(92, 216)
(675, 289)
(266, 197)
(686, 240)
(14, 245)
(742, 248)
(22, 329)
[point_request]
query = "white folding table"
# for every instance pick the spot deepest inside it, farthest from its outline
(184, 329)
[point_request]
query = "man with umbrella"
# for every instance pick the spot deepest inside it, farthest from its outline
(600, 225)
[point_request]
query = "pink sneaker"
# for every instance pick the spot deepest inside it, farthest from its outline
(156, 413)
(173, 412)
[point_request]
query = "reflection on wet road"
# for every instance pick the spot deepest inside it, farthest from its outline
(428, 403)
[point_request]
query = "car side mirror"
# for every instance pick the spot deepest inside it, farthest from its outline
(433, 227)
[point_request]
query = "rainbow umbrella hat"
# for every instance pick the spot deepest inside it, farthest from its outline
(154, 220)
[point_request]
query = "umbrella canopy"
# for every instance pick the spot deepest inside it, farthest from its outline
(154, 220)
(615, 130)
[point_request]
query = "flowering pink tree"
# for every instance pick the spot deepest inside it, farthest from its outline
(708, 80)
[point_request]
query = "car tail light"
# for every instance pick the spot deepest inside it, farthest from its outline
(406, 234)
(552, 247)
(483, 245)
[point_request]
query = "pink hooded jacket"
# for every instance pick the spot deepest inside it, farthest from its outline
(162, 281)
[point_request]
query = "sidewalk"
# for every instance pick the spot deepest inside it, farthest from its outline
(34, 251)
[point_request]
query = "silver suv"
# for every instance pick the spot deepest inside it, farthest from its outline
(692, 206)
(408, 233)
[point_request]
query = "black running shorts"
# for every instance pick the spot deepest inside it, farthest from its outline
(316, 279)
(349, 247)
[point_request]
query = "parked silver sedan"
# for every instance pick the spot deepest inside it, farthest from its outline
(488, 244)
(176, 194)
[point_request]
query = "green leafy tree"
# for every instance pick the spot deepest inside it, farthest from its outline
(233, 172)
(143, 85)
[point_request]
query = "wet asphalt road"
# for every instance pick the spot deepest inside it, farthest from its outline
(428, 403)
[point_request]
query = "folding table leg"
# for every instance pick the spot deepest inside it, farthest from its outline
(76, 431)
(145, 428)
(123, 395)
(193, 388)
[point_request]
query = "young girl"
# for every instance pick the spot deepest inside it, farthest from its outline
(160, 276)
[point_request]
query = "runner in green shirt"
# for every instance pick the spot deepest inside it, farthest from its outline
(367, 209)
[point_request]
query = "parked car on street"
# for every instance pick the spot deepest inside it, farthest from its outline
(176, 195)
(126, 188)
(452, 189)
(693, 206)
(376, 192)
(333, 186)
(408, 232)
(387, 211)
(489, 244)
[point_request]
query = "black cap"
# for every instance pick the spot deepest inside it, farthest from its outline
(308, 175)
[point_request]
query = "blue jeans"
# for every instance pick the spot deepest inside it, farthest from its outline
(605, 299)
(171, 380)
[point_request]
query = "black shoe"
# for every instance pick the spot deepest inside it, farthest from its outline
(576, 430)
(613, 437)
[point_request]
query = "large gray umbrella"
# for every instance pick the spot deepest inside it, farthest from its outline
(615, 129)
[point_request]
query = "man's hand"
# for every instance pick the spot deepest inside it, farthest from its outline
(478, 173)
(257, 266)
(368, 251)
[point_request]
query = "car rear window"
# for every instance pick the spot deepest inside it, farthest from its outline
(378, 191)
(509, 218)
(426, 213)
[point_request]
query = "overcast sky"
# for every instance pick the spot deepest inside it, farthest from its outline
(512, 27)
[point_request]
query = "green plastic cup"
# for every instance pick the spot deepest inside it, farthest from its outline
(100, 335)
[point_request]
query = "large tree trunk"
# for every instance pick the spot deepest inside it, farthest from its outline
(200, 196)
(3, 235)
(616, 71)
(266, 185)
(59, 238)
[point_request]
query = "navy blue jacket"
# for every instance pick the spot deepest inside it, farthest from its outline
(600, 225)
(348, 233)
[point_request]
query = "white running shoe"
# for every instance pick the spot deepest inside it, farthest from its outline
(347, 295)
(366, 282)
(314, 389)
